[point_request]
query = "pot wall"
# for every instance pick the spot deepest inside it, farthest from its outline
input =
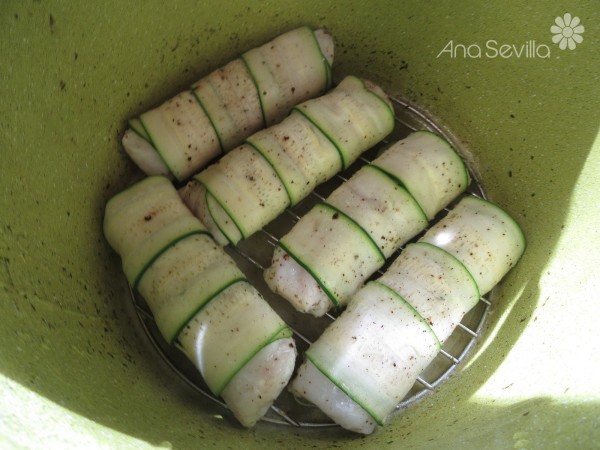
(75, 367)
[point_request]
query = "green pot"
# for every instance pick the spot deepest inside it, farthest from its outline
(77, 371)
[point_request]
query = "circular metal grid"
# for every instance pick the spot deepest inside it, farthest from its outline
(253, 255)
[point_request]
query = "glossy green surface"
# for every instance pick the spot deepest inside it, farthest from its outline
(76, 370)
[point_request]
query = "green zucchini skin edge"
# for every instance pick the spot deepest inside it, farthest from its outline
(223, 207)
(137, 131)
(458, 157)
(206, 194)
(151, 142)
(312, 121)
(508, 217)
(375, 417)
(201, 307)
(343, 161)
(212, 123)
(387, 106)
(158, 254)
(282, 332)
(397, 296)
(285, 186)
(458, 261)
(400, 183)
(356, 225)
(336, 304)
(260, 100)
(328, 76)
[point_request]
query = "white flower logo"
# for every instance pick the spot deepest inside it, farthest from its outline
(567, 31)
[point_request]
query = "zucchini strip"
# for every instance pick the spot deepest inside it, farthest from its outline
(309, 270)
(255, 82)
(435, 284)
(274, 167)
(280, 165)
(213, 214)
(377, 348)
(212, 122)
(399, 182)
(481, 236)
(358, 227)
(255, 90)
(428, 167)
(138, 277)
(200, 299)
(381, 206)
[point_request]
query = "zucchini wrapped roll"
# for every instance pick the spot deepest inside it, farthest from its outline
(277, 167)
(482, 237)
(200, 300)
(342, 241)
(219, 111)
(368, 359)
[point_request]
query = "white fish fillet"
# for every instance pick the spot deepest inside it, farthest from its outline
(290, 280)
(253, 390)
(315, 387)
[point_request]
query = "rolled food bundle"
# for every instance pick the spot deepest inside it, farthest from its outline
(368, 359)
(332, 250)
(219, 111)
(277, 167)
(200, 300)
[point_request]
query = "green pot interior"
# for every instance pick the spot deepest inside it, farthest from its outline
(77, 370)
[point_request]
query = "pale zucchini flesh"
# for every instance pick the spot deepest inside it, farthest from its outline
(299, 153)
(288, 70)
(143, 221)
(182, 134)
(228, 332)
(339, 272)
(188, 275)
(246, 187)
(136, 263)
(435, 284)
(384, 209)
(123, 201)
(428, 167)
(230, 100)
(353, 116)
(481, 236)
(375, 350)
